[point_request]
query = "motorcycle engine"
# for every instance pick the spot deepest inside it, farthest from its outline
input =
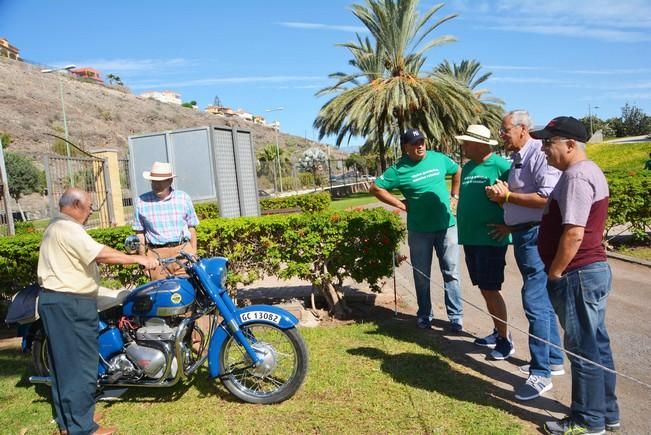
(150, 359)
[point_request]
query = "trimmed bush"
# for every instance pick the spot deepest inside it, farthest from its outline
(310, 202)
(323, 248)
(630, 202)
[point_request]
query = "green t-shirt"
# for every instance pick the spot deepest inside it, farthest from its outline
(423, 186)
(475, 211)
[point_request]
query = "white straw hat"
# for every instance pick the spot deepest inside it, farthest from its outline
(478, 133)
(159, 171)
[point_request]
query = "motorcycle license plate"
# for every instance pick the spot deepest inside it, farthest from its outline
(260, 315)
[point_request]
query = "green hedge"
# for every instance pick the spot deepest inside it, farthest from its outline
(310, 202)
(630, 201)
(323, 248)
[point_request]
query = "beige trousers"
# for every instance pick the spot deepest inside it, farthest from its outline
(161, 272)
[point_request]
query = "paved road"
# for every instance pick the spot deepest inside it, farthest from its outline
(628, 320)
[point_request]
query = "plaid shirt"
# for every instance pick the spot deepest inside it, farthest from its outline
(167, 220)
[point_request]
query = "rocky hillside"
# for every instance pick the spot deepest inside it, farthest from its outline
(98, 116)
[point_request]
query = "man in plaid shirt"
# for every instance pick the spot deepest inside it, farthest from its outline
(164, 219)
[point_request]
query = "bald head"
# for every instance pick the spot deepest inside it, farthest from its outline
(70, 196)
(76, 203)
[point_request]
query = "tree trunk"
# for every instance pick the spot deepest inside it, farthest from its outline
(337, 306)
(382, 150)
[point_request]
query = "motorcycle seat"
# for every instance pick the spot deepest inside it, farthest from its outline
(109, 298)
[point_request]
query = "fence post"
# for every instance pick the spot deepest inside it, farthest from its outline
(113, 185)
(5, 193)
(50, 187)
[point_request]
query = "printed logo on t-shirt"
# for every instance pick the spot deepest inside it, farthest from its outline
(474, 179)
(425, 174)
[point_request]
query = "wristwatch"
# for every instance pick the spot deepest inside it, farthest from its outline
(455, 196)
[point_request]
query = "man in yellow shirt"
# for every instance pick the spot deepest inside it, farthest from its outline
(68, 273)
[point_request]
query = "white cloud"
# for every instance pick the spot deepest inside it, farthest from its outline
(612, 35)
(610, 71)
(528, 80)
(626, 21)
(122, 66)
(513, 67)
(320, 26)
(224, 81)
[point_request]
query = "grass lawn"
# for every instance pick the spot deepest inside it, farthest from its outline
(369, 378)
(354, 200)
(630, 156)
(643, 252)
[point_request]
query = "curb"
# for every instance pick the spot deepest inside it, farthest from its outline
(628, 259)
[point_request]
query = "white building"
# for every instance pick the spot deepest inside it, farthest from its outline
(163, 96)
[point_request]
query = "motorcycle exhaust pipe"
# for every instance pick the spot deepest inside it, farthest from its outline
(46, 380)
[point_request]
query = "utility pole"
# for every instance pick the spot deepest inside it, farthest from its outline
(65, 121)
(277, 127)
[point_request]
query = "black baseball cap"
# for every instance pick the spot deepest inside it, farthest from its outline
(411, 135)
(562, 126)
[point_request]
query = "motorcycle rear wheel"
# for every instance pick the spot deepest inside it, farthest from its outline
(284, 369)
(40, 359)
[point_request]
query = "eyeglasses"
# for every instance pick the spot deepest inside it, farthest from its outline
(504, 131)
(550, 140)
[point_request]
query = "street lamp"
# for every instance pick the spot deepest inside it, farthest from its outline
(590, 116)
(63, 108)
(280, 173)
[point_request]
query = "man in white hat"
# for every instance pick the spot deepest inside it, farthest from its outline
(476, 216)
(164, 218)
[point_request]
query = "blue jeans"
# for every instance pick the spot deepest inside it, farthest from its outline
(579, 299)
(421, 247)
(536, 303)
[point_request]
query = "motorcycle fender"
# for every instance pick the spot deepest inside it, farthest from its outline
(252, 314)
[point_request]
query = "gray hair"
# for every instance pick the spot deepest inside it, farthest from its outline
(69, 197)
(521, 117)
(580, 145)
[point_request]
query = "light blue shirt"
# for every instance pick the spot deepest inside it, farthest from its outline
(529, 173)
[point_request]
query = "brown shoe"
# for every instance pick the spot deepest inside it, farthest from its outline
(96, 418)
(105, 431)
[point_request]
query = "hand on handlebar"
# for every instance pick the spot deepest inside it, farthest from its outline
(147, 262)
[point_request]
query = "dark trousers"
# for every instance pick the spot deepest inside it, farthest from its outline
(70, 323)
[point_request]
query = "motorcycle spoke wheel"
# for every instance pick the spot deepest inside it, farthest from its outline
(283, 370)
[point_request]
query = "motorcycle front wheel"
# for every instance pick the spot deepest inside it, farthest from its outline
(278, 377)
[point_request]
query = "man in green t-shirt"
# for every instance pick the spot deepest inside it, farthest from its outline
(647, 165)
(420, 176)
(476, 214)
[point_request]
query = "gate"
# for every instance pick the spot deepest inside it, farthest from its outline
(127, 195)
(85, 173)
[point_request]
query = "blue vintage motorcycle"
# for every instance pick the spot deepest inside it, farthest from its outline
(151, 337)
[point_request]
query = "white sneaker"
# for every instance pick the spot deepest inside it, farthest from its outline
(556, 369)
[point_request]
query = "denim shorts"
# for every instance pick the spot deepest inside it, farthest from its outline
(486, 265)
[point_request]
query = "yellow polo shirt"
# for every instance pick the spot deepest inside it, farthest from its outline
(66, 260)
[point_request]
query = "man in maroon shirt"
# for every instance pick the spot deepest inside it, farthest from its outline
(579, 278)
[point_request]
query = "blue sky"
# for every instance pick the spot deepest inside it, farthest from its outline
(553, 57)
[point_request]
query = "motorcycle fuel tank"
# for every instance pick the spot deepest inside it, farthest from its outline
(165, 297)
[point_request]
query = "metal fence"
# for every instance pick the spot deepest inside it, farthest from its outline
(294, 177)
(89, 174)
(127, 192)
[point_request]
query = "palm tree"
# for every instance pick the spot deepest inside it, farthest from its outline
(268, 155)
(468, 73)
(388, 94)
